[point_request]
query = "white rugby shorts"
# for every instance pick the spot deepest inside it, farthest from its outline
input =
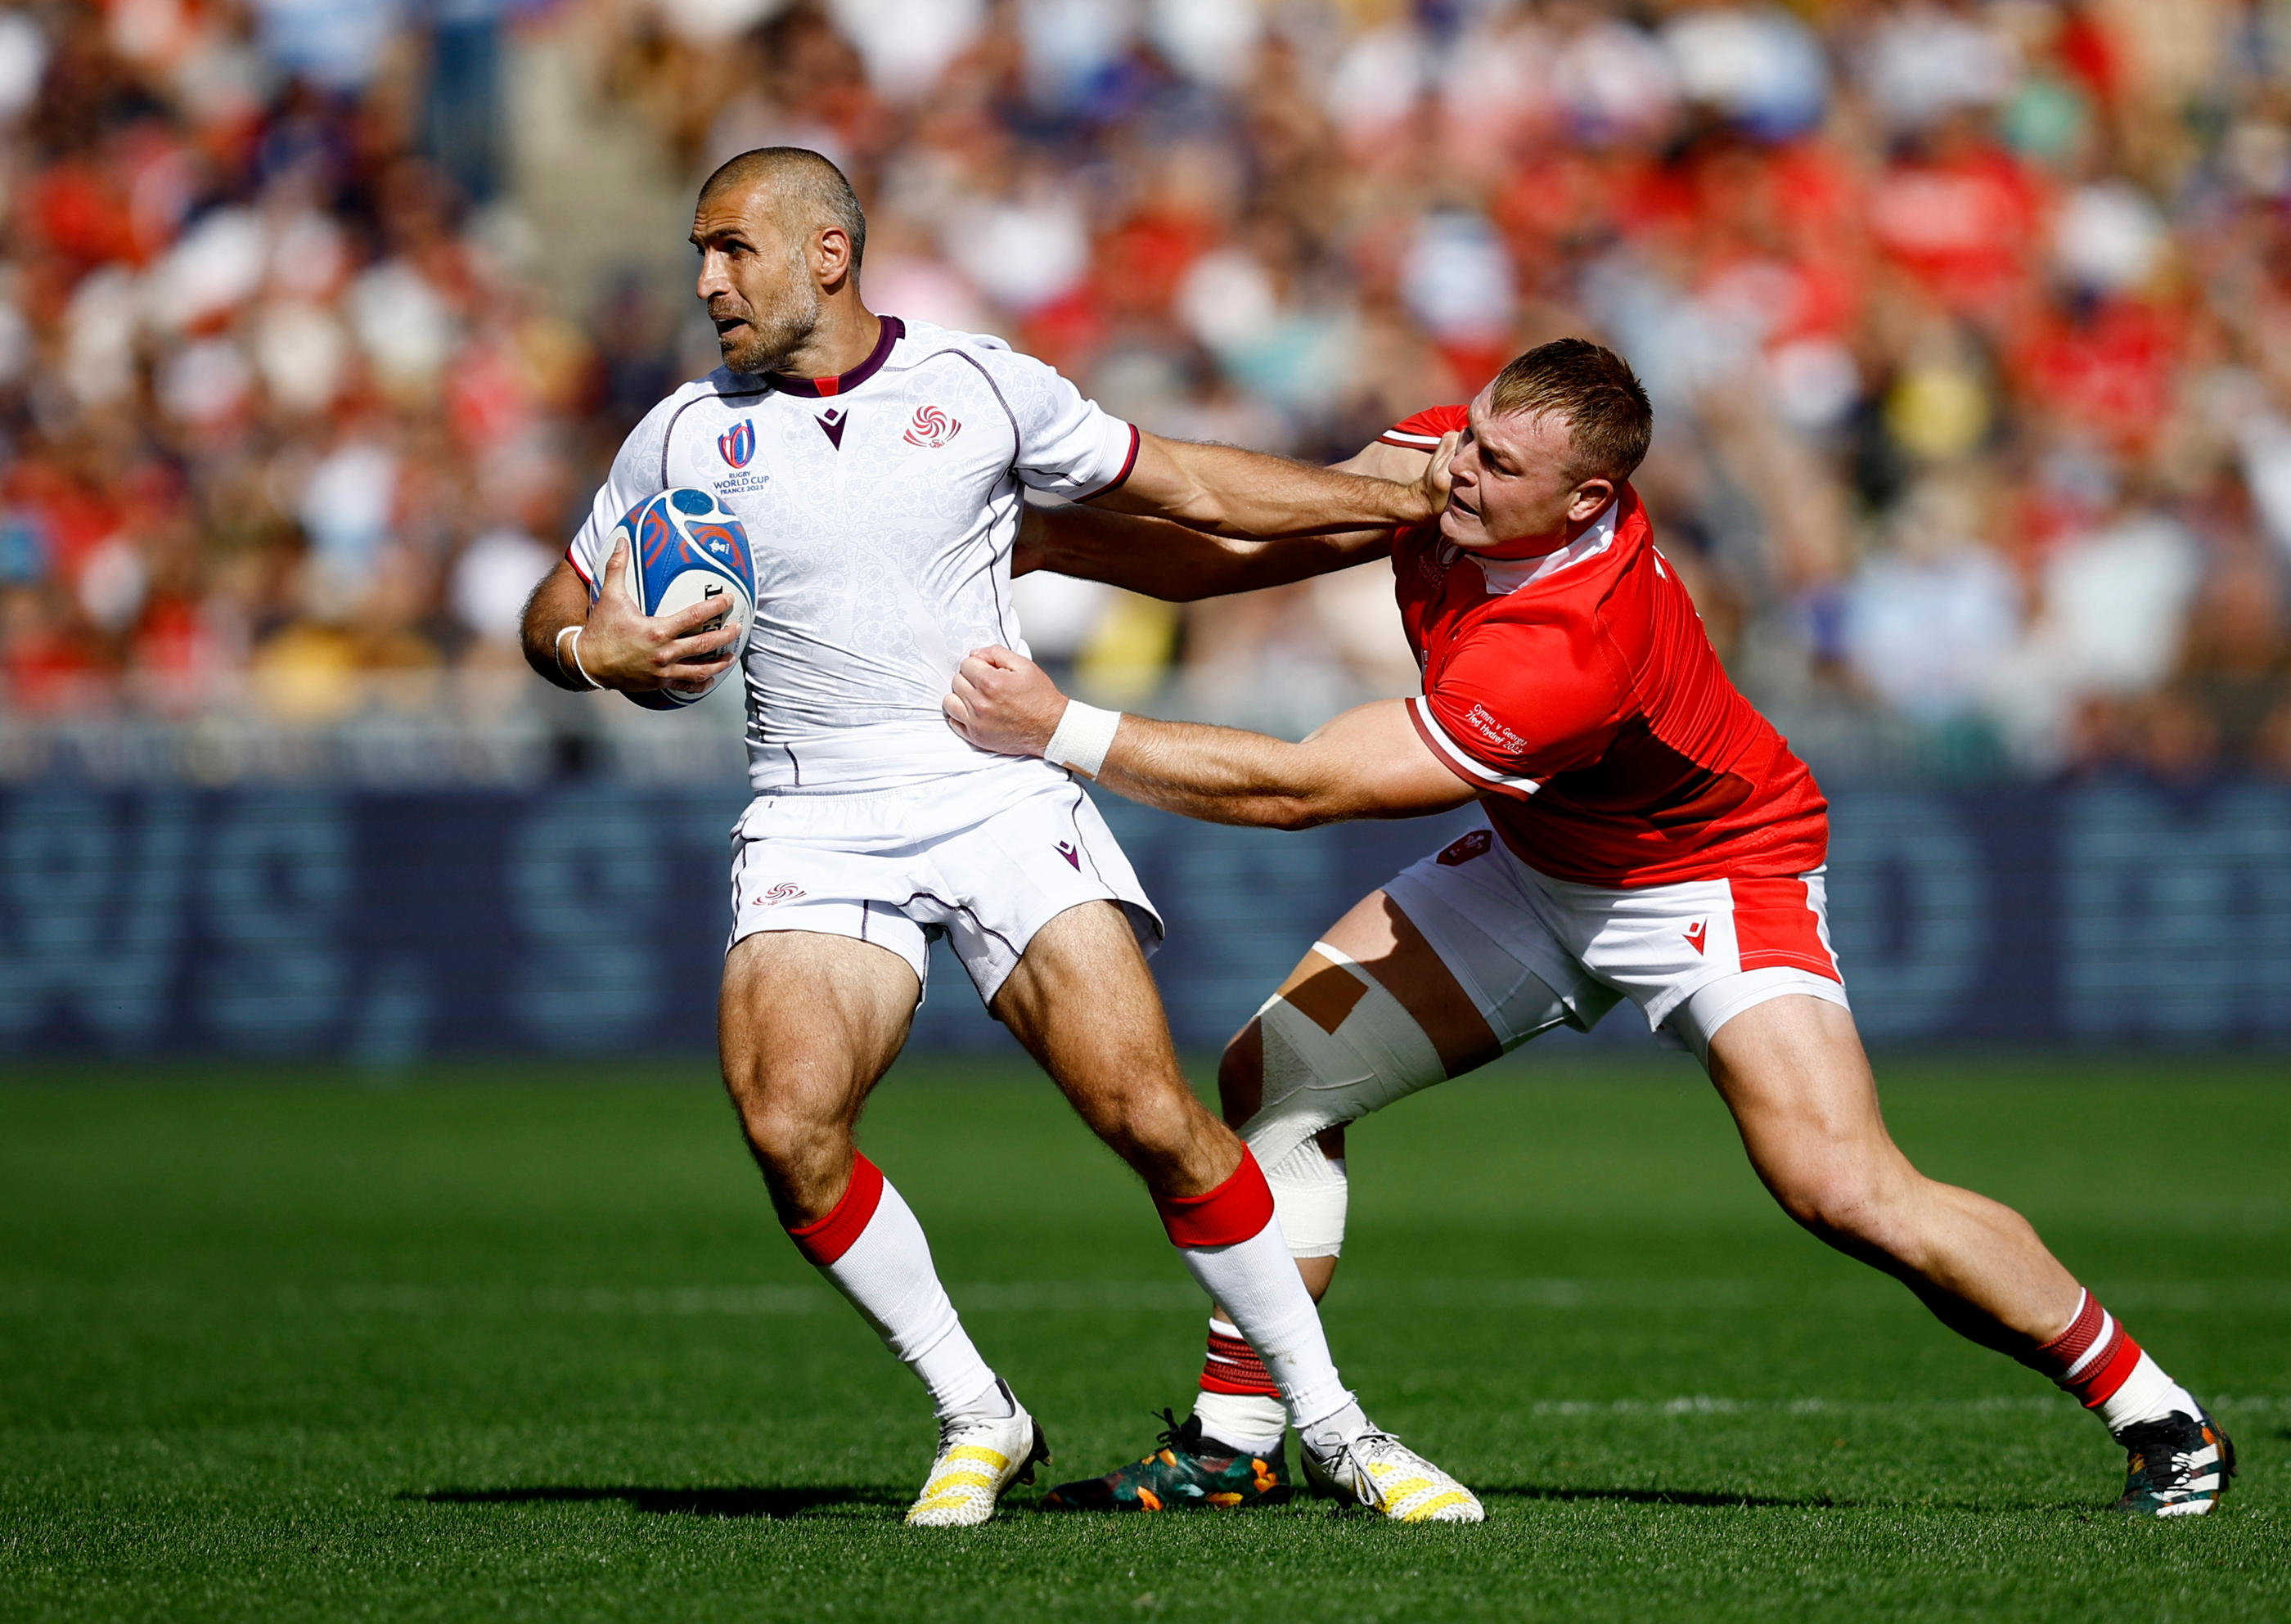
(984, 858)
(1691, 955)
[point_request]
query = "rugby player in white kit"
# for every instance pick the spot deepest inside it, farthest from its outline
(879, 469)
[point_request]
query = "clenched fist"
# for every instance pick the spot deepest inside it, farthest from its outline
(1004, 702)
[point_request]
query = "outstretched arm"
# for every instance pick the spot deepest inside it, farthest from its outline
(1175, 562)
(1228, 491)
(1367, 763)
(1179, 564)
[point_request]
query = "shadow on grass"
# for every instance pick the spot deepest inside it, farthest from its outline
(779, 1504)
(1667, 1497)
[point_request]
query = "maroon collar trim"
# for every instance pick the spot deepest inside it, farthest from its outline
(894, 330)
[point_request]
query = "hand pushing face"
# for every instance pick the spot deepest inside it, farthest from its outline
(1515, 488)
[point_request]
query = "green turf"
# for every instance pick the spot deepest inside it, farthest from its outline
(476, 1347)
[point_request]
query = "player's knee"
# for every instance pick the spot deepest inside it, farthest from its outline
(1148, 1124)
(787, 1141)
(1300, 1069)
(1846, 1200)
(1241, 1075)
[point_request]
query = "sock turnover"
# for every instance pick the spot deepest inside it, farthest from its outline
(2096, 1362)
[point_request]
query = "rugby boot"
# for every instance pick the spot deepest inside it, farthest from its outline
(1187, 1470)
(1376, 1470)
(2177, 1468)
(978, 1460)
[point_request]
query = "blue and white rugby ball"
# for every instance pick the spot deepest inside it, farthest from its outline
(685, 546)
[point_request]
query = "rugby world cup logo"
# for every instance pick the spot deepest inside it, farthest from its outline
(932, 428)
(737, 443)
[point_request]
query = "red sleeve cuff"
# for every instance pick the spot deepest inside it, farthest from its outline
(1489, 780)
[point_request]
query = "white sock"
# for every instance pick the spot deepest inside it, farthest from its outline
(886, 1270)
(1256, 1281)
(1251, 1422)
(2147, 1394)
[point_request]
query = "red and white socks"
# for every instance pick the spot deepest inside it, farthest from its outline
(1240, 1403)
(1233, 1248)
(872, 1249)
(2108, 1373)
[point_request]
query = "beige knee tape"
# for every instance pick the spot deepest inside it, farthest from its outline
(1316, 1079)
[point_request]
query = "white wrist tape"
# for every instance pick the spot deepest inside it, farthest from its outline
(1084, 734)
(575, 633)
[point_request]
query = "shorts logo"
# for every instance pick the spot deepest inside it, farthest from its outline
(785, 891)
(1697, 934)
(737, 443)
(932, 428)
(1067, 849)
(1464, 848)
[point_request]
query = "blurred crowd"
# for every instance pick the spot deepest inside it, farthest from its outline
(1967, 324)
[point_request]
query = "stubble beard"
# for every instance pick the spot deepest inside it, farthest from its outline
(775, 334)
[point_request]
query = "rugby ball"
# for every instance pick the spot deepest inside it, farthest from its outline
(684, 547)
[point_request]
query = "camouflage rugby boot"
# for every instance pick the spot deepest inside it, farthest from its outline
(2178, 1466)
(1187, 1471)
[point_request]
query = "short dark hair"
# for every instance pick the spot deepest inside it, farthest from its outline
(798, 173)
(1609, 421)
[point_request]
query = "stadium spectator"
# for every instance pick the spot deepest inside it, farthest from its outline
(1969, 323)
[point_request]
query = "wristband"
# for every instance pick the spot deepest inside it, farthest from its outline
(575, 633)
(1083, 736)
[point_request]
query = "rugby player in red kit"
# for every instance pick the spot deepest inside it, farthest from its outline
(1648, 837)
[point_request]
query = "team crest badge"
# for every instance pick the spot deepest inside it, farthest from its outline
(737, 443)
(1463, 849)
(931, 428)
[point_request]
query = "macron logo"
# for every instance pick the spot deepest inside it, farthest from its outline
(1697, 934)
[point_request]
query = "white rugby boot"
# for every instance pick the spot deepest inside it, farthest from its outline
(1376, 1470)
(977, 1460)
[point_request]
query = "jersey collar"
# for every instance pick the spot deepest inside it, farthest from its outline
(1507, 576)
(894, 329)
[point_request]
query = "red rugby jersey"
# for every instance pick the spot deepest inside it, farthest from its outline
(1579, 694)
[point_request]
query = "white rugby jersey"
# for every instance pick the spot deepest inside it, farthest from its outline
(881, 507)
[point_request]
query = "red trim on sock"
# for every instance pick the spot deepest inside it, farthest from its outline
(2058, 1356)
(1236, 1211)
(824, 1240)
(2091, 1358)
(1233, 1366)
(2106, 1373)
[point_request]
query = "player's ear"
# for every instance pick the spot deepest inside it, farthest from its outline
(831, 255)
(1590, 496)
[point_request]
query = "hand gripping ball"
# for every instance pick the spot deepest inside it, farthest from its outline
(684, 547)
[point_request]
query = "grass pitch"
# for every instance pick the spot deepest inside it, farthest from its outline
(530, 1346)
